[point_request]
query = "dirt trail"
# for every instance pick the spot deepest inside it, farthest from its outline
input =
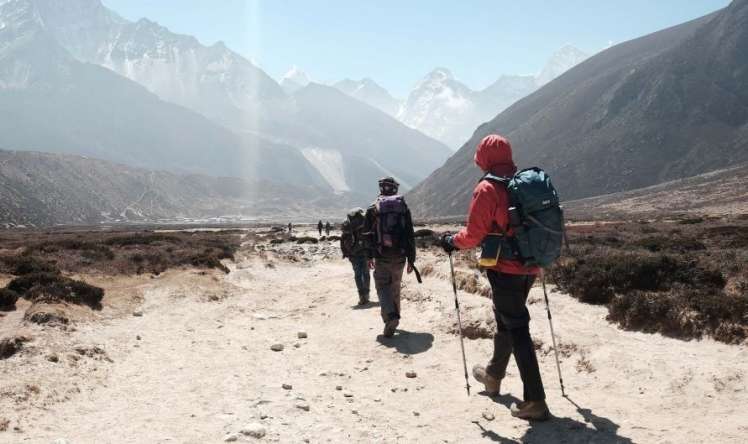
(203, 369)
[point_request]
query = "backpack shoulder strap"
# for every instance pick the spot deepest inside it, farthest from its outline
(495, 179)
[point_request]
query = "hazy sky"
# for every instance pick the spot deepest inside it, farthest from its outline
(396, 42)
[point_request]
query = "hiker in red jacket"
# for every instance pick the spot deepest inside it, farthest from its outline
(510, 282)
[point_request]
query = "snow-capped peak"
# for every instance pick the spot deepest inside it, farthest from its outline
(294, 80)
(561, 61)
(439, 75)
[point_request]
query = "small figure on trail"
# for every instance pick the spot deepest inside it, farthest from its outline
(290, 228)
(328, 227)
(510, 281)
(320, 227)
(391, 243)
(353, 246)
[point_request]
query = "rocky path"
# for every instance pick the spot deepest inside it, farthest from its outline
(197, 367)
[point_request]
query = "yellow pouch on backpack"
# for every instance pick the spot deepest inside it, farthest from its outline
(491, 250)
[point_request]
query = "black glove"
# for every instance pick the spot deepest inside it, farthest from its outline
(447, 243)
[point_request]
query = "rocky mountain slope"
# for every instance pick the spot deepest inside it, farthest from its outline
(52, 102)
(369, 92)
(665, 106)
(42, 189)
(226, 88)
(448, 110)
(721, 192)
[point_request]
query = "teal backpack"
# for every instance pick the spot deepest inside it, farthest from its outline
(535, 216)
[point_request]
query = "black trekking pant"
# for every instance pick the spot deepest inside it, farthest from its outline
(513, 332)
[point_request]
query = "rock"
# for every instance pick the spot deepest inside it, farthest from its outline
(137, 314)
(488, 416)
(276, 347)
(303, 406)
(137, 337)
(53, 358)
(255, 430)
(355, 412)
(231, 437)
(287, 386)
(348, 394)
(416, 413)
(411, 374)
(302, 335)
(338, 387)
(297, 345)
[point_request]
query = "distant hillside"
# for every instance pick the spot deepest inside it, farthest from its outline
(43, 189)
(719, 192)
(49, 101)
(668, 105)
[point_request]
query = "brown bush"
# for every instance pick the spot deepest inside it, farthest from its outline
(26, 264)
(52, 287)
(12, 345)
(685, 282)
(8, 299)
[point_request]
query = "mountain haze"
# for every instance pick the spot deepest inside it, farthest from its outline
(48, 189)
(369, 92)
(247, 126)
(51, 101)
(448, 110)
(668, 105)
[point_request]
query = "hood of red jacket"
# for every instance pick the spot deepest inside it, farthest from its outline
(494, 155)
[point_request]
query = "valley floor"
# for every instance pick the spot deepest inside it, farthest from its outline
(197, 366)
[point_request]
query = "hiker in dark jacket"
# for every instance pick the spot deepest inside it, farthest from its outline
(510, 282)
(320, 227)
(328, 228)
(392, 245)
(353, 247)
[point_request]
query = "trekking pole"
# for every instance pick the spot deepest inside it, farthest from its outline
(459, 324)
(553, 335)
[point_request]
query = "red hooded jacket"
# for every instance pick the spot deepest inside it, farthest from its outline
(490, 205)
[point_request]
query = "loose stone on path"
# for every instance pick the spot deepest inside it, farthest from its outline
(254, 430)
(276, 347)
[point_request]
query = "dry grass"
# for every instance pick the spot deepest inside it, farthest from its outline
(685, 279)
(127, 252)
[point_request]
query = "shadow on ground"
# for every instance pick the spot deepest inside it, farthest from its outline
(366, 306)
(407, 342)
(594, 429)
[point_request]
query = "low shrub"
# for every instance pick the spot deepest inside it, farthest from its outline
(8, 299)
(26, 264)
(52, 288)
(132, 239)
(596, 278)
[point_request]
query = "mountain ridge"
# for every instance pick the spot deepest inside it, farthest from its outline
(609, 124)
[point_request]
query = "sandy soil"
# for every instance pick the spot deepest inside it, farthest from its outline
(197, 367)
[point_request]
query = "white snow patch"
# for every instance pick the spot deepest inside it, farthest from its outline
(329, 163)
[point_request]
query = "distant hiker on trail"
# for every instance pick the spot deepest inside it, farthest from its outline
(328, 227)
(320, 227)
(353, 246)
(510, 281)
(391, 244)
(290, 228)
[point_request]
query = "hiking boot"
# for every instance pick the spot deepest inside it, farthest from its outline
(492, 384)
(363, 299)
(389, 327)
(531, 410)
